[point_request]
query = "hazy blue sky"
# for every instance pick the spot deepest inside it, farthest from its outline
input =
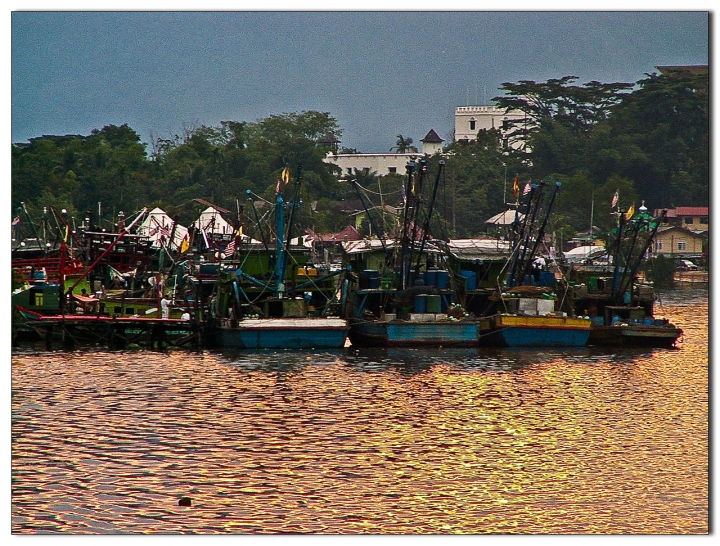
(377, 73)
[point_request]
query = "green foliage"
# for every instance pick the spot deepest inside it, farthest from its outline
(650, 143)
(403, 145)
(661, 271)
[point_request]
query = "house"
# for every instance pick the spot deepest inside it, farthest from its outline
(678, 242)
(327, 247)
(692, 218)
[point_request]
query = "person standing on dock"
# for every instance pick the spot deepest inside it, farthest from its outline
(165, 306)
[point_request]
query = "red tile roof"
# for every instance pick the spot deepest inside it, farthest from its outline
(686, 211)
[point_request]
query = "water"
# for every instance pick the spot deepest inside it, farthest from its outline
(383, 442)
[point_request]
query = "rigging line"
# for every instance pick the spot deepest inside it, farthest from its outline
(379, 193)
(261, 198)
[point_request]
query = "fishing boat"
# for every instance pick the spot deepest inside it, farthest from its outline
(527, 311)
(49, 308)
(273, 307)
(402, 293)
(622, 308)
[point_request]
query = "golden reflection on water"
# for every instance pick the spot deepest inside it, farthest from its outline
(472, 441)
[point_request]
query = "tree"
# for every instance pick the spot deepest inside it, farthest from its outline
(404, 145)
(665, 124)
(559, 119)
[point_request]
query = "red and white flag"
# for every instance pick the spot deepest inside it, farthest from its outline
(615, 199)
(230, 249)
(527, 189)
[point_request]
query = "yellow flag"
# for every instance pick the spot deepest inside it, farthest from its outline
(285, 176)
(184, 245)
(239, 232)
(630, 212)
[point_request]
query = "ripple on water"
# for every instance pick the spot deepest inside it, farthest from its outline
(366, 441)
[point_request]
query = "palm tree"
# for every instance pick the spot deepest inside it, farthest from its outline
(403, 145)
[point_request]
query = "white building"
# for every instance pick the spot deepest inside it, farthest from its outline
(380, 164)
(385, 163)
(471, 119)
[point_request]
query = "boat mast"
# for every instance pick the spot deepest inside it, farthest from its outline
(541, 231)
(426, 225)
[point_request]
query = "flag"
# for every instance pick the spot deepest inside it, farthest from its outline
(277, 187)
(184, 245)
(285, 177)
(164, 232)
(239, 232)
(630, 212)
(402, 192)
(16, 221)
(516, 186)
(152, 232)
(230, 249)
(615, 199)
(526, 189)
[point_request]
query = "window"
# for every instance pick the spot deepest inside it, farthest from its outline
(658, 246)
(392, 169)
(704, 220)
(37, 298)
(349, 170)
(472, 124)
(688, 220)
(682, 245)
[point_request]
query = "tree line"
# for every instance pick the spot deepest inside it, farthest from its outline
(647, 141)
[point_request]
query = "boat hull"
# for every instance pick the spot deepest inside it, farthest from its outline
(283, 333)
(406, 333)
(635, 335)
(534, 331)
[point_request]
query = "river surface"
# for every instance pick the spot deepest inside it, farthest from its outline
(475, 441)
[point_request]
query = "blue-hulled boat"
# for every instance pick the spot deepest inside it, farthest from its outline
(281, 317)
(505, 330)
(392, 303)
(527, 311)
(284, 333)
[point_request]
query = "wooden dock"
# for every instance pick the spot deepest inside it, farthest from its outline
(691, 277)
(113, 332)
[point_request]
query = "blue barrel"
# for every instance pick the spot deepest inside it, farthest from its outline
(431, 277)
(547, 278)
(420, 280)
(373, 278)
(421, 303)
(470, 279)
(433, 303)
(443, 279)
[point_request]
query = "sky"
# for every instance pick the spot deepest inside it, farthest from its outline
(378, 73)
